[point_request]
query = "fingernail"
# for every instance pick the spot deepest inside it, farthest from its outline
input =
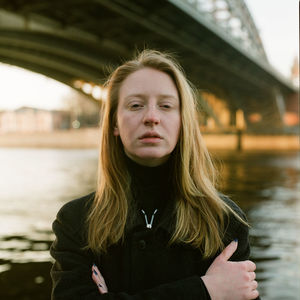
(95, 272)
(235, 240)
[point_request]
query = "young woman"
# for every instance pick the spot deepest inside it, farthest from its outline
(156, 227)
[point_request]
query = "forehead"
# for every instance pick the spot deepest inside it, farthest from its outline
(148, 81)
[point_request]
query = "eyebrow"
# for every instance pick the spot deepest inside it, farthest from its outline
(135, 95)
(163, 96)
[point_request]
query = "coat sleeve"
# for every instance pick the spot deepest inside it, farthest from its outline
(71, 272)
(240, 231)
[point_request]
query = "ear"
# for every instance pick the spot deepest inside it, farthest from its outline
(116, 131)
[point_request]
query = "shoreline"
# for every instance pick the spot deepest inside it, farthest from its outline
(88, 138)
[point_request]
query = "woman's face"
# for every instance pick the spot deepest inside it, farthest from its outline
(148, 116)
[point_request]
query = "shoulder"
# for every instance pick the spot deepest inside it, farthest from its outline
(74, 212)
(235, 228)
(233, 206)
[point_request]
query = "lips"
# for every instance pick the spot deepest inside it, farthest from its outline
(151, 134)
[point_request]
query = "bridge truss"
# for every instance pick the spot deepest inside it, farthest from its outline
(216, 41)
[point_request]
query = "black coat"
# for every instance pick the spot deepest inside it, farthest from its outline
(142, 268)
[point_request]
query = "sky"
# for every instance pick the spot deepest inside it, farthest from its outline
(278, 24)
(20, 87)
(276, 20)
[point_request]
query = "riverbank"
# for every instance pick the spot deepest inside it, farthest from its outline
(89, 138)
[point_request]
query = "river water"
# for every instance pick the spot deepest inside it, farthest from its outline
(35, 183)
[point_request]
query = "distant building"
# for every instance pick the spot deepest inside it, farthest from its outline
(29, 119)
(295, 71)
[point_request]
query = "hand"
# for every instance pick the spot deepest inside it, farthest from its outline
(231, 280)
(99, 280)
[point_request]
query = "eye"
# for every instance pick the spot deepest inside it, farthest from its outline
(165, 106)
(135, 106)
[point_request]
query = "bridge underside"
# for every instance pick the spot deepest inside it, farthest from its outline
(71, 40)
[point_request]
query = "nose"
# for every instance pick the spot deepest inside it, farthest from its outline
(151, 116)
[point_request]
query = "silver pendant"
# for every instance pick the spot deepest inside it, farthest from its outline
(149, 225)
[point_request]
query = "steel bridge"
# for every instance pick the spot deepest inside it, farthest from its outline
(216, 41)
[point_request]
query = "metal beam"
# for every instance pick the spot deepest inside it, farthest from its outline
(75, 38)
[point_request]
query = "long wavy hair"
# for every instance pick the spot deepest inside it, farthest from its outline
(200, 212)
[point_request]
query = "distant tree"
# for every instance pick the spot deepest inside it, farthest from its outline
(84, 110)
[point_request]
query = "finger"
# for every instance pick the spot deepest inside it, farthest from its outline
(99, 275)
(102, 282)
(252, 276)
(253, 294)
(101, 287)
(94, 267)
(95, 277)
(229, 250)
(99, 280)
(250, 265)
(254, 285)
(96, 271)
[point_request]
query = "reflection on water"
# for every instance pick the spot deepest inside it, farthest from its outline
(33, 186)
(35, 183)
(267, 187)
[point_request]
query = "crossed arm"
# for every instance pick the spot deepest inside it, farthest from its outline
(224, 279)
(71, 273)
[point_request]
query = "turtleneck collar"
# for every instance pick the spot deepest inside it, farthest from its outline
(149, 176)
(151, 186)
(152, 190)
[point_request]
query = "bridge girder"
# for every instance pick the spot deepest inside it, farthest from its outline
(69, 40)
(233, 17)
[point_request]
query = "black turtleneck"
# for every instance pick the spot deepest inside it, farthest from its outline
(151, 186)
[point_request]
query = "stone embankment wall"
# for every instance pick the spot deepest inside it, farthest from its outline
(89, 138)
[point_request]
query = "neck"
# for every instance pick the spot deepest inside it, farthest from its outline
(151, 187)
(146, 177)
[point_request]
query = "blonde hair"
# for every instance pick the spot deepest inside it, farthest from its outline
(200, 212)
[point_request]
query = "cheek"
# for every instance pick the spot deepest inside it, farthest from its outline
(177, 125)
(174, 129)
(127, 127)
